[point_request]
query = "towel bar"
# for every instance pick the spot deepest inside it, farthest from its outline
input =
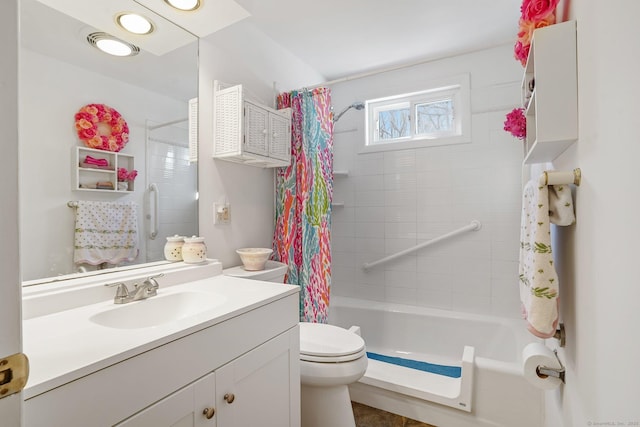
(561, 177)
(560, 335)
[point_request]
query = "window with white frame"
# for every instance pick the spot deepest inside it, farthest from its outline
(438, 115)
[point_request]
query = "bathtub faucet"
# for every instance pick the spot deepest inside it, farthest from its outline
(147, 289)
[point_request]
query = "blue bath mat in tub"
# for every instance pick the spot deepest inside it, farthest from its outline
(447, 371)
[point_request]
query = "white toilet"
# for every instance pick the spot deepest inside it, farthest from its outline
(331, 358)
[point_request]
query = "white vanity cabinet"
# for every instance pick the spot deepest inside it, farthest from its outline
(245, 368)
(250, 133)
(188, 407)
(253, 390)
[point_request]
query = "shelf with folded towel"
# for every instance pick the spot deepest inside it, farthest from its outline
(97, 170)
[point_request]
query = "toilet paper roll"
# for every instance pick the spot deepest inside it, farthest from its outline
(534, 355)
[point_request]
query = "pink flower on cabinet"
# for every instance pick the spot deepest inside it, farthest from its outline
(537, 10)
(516, 123)
(527, 27)
(521, 52)
(125, 175)
(534, 14)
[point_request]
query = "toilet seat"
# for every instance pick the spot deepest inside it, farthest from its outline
(322, 343)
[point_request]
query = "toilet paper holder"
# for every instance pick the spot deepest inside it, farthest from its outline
(545, 371)
(560, 335)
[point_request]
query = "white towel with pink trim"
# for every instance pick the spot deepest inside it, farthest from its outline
(541, 205)
(105, 232)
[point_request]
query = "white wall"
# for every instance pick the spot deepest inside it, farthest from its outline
(248, 190)
(395, 200)
(600, 292)
(10, 307)
(48, 103)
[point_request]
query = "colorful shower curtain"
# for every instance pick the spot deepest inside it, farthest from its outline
(303, 201)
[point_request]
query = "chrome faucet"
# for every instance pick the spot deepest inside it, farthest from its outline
(147, 289)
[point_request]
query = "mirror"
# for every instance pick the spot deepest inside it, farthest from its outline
(59, 73)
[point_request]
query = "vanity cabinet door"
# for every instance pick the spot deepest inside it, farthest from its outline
(262, 387)
(185, 408)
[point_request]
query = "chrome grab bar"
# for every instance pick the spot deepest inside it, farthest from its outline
(475, 225)
(155, 219)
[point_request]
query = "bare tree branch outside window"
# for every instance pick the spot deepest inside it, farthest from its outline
(434, 117)
(394, 124)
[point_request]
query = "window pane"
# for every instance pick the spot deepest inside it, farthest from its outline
(393, 123)
(434, 117)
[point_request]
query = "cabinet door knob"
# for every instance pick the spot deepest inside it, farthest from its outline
(229, 397)
(209, 412)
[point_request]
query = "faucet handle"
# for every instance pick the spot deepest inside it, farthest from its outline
(151, 280)
(122, 293)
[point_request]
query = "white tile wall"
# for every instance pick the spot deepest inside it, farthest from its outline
(401, 198)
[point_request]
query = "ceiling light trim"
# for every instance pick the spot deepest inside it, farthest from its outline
(131, 29)
(95, 38)
(175, 5)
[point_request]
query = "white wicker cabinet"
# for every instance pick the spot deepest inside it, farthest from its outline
(550, 92)
(249, 133)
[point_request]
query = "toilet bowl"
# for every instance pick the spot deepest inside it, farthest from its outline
(331, 358)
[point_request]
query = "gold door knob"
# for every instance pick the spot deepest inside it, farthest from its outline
(209, 412)
(229, 397)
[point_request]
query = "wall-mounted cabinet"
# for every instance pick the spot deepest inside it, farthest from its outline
(96, 170)
(550, 92)
(249, 133)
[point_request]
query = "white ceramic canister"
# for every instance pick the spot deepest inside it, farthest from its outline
(194, 251)
(173, 248)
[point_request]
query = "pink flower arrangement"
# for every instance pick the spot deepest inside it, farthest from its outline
(534, 14)
(516, 123)
(102, 127)
(125, 175)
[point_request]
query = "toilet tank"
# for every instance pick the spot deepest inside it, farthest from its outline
(274, 271)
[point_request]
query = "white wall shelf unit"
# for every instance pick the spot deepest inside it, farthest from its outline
(550, 93)
(87, 176)
(249, 133)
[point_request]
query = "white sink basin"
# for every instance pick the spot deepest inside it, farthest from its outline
(157, 310)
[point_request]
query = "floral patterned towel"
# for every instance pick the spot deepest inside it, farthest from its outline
(541, 205)
(105, 232)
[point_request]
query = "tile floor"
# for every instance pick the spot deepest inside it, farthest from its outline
(367, 416)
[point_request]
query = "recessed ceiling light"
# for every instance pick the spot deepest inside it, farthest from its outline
(111, 45)
(187, 5)
(134, 23)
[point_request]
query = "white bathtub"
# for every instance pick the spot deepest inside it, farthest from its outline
(491, 390)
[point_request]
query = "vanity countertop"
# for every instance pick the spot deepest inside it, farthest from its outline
(66, 345)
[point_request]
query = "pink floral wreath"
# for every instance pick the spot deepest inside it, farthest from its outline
(102, 127)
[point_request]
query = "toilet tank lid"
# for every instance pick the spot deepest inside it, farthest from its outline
(272, 269)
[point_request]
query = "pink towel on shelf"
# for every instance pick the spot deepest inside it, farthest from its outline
(96, 162)
(541, 205)
(105, 232)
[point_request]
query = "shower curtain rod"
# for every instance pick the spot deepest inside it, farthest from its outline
(387, 69)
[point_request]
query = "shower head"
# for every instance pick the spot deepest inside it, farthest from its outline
(356, 105)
